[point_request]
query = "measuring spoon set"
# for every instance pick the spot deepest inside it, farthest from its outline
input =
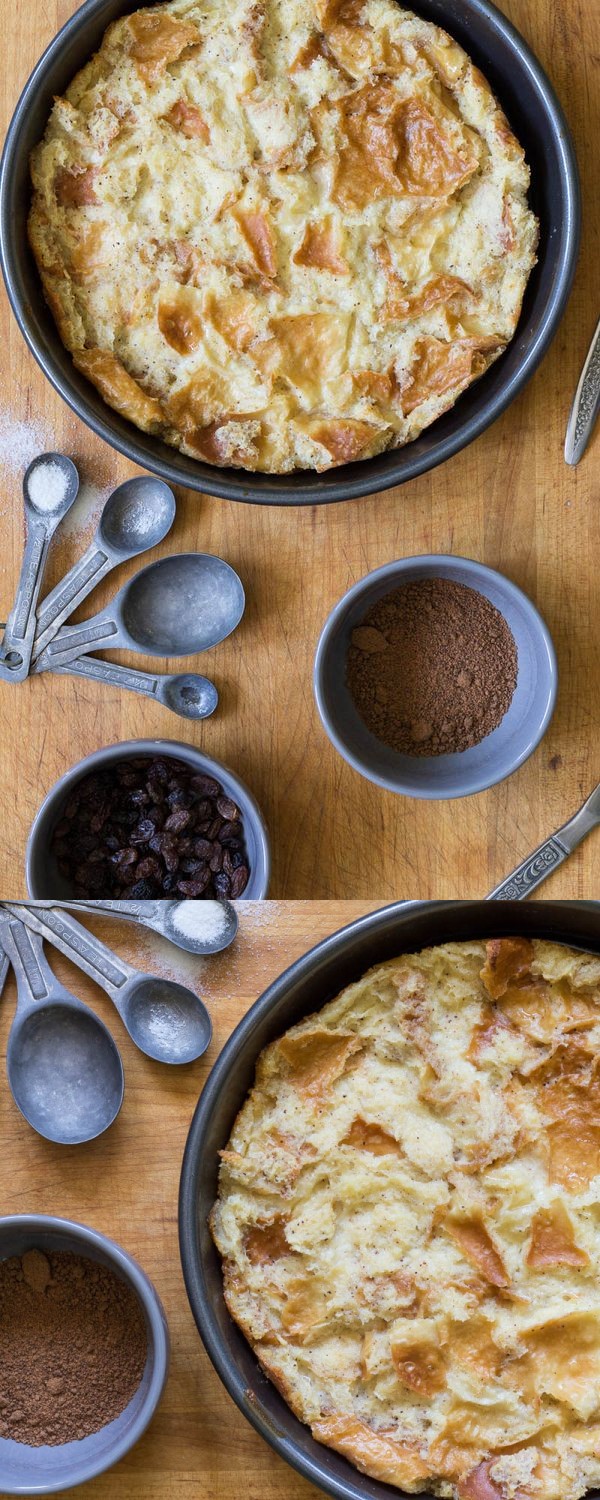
(64, 1069)
(177, 606)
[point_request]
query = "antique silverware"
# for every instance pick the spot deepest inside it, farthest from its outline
(550, 854)
(585, 406)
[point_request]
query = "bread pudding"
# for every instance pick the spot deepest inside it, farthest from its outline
(281, 234)
(408, 1218)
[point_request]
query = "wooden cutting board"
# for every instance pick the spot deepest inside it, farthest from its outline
(508, 500)
(126, 1185)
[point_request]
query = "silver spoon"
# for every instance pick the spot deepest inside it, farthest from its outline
(173, 607)
(186, 693)
(549, 855)
(17, 645)
(138, 515)
(159, 916)
(166, 1020)
(64, 1069)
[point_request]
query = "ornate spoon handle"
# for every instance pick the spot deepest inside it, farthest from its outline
(550, 854)
(585, 406)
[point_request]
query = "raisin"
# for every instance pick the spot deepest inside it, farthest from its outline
(222, 884)
(195, 887)
(177, 820)
(149, 868)
(228, 809)
(145, 831)
(206, 786)
(239, 881)
(144, 888)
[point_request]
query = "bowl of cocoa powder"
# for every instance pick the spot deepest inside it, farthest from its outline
(435, 677)
(84, 1353)
(148, 819)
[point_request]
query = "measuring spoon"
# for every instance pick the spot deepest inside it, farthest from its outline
(185, 693)
(17, 645)
(64, 1069)
(159, 916)
(173, 607)
(165, 1019)
(137, 516)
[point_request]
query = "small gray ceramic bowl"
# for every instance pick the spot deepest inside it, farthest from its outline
(440, 776)
(44, 880)
(42, 1471)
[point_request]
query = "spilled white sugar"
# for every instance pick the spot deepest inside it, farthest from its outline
(47, 486)
(204, 921)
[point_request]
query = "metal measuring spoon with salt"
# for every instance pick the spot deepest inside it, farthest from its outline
(174, 607)
(50, 487)
(201, 927)
(137, 516)
(166, 1020)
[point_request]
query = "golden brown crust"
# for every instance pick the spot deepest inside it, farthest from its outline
(344, 167)
(408, 1218)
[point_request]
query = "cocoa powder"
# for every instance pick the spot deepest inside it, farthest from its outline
(72, 1347)
(432, 668)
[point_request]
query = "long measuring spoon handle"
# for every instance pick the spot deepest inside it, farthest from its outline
(68, 594)
(85, 950)
(130, 911)
(35, 980)
(148, 684)
(20, 626)
(72, 641)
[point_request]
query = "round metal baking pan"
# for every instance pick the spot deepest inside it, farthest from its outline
(537, 118)
(305, 987)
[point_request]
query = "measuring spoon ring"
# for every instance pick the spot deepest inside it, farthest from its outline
(174, 607)
(64, 1069)
(166, 1020)
(17, 645)
(137, 516)
(186, 693)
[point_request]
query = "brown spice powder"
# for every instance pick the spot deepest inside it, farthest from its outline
(73, 1347)
(432, 668)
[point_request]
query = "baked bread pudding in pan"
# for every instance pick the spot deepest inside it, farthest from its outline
(408, 1216)
(281, 234)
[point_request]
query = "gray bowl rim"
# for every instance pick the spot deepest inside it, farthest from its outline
(353, 480)
(473, 785)
(156, 748)
(93, 1239)
(533, 918)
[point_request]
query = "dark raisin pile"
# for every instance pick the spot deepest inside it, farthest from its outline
(148, 827)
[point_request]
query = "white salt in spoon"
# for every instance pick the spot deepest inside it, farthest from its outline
(50, 487)
(200, 927)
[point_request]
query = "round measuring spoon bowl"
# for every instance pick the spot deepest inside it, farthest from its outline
(190, 695)
(138, 515)
(183, 920)
(182, 604)
(50, 485)
(166, 1020)
(65, 1072)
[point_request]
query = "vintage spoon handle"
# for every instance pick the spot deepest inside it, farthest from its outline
(147, 912)
(69, 593)
(85, 950)
(585, 406)
(147, 684)
(4, 968)
(549, 855)
(20, 626)
(73, 640)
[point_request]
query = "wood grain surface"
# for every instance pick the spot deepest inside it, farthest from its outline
(126, 1185)
(509, 500)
